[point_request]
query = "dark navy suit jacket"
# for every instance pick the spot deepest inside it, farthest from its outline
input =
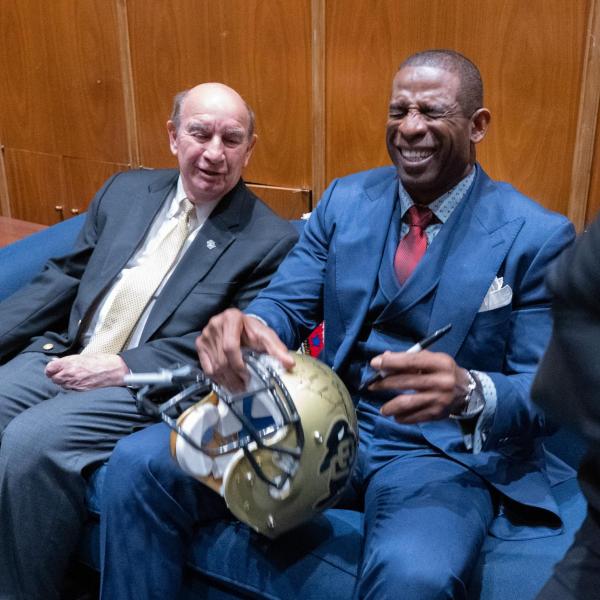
(248, 243)
(568, 381)
(496, 231)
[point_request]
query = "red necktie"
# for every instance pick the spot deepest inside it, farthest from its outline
(413, 245)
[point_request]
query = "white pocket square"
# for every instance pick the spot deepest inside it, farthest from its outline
(497, 296)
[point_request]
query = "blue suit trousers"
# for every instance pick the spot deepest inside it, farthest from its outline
(426, 516)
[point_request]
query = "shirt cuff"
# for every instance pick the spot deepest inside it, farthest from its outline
(257, 318)
(474, 437)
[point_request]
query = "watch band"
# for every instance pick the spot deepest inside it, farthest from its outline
(473, 400)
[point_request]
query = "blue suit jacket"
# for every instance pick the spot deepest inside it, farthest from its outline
(496, 231)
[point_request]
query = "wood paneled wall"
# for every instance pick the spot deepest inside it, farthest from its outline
(61, 104)
(86, 88)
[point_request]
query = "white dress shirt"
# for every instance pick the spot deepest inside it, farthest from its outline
(164, 222)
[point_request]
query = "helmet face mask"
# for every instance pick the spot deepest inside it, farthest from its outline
(212, 432)
(280, 452)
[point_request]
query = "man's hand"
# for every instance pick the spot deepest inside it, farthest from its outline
(87, 371)
(436, 385)
(219, 347)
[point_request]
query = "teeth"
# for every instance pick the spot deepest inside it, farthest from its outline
(416, 154)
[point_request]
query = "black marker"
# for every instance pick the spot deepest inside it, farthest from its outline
(421, 345)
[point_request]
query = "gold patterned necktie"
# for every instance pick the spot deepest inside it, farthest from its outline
(137, 289)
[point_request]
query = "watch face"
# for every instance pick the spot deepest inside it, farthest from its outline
(473, 400)
(474, 406)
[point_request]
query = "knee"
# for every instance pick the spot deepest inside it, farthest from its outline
(29, 443)
(135, 464)
(391, 568)
(141, 475)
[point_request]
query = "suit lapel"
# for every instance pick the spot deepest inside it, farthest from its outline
(216, 235)
(426, 276)
(462, 261)
(145, 204)
(480, 242)
(359, 251)
(422, 281)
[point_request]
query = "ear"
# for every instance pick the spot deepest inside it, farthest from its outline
(251, 144)
(479, 124)
(172, 137)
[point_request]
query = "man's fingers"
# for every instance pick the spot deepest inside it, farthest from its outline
(264, 339)
(439, 382)
(219, 350)
(232, 339)
(414, 408)
(220, 347)
(412, 362)
(219, 342)
(204, 358)
(53, 367)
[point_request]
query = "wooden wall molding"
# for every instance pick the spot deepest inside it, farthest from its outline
(133, 146)
(318, 61)
(583, 154)
(4, 196)
(287, 202)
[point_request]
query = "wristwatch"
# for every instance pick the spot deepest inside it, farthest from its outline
(473, 400)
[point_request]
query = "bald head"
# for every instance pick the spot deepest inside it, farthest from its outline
(211, 133)
(218, 92)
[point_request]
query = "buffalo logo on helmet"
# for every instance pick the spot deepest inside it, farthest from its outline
(338, 462)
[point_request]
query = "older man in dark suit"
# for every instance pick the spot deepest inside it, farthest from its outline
(160, 253)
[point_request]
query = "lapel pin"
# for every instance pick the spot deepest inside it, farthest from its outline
(211, 244)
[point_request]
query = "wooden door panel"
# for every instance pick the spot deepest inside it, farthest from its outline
(35, 184)
(530, 56)
(259, 47)
(60, 79)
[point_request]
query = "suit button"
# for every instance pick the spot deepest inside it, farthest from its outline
(79, 322)
(47, 346)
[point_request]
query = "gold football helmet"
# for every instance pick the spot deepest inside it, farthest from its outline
(279, 453)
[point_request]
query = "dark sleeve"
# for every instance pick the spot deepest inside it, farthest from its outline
(263, 272)
(44, 304)
(168, 351)
(568, 380)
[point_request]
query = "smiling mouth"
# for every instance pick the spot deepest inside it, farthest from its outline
(415, 156)
(207, 173)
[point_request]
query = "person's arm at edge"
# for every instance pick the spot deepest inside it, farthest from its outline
(45, 302)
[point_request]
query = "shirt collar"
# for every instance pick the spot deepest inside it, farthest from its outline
(443, 206)
(203, 209)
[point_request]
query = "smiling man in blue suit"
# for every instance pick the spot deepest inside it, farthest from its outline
(450, 443)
